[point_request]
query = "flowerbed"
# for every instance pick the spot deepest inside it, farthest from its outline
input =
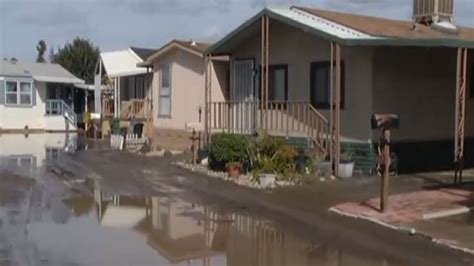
(257, 162)
(242, 180)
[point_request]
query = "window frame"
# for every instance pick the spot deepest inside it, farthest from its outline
(30, 93)
(326, 105)
(160, 92)
(18, 93)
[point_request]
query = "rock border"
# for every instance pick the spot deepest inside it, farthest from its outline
(242, 180)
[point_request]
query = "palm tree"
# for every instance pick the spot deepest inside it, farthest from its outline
(41, 48)
(79, 57)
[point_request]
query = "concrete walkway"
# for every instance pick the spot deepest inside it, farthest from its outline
(422, 211)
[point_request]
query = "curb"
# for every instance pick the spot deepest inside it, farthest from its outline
(411, 231)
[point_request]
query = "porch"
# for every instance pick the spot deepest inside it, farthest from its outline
(129, 109)
(280, 118)
(65, 105)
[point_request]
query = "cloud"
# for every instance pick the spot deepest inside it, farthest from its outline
(115, 24)
(175, 7)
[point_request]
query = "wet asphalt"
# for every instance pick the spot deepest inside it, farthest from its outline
(102, 207)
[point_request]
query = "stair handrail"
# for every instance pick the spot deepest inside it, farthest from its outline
(60, 107)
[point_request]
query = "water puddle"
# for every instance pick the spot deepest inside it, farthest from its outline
(24, 154)
(127, 230)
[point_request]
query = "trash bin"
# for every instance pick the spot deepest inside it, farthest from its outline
(138, 129)
(115, 126)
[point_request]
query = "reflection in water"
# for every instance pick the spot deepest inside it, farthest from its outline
(27, 152)
(184, 233)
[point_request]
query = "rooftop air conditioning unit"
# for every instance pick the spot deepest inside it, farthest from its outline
(436, 13)
(432, 11)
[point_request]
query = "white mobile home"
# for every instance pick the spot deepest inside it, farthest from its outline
(39, 97)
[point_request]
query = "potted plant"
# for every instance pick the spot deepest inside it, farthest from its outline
(228, 151)
(266, 173)
(346, 165)
(234, 169)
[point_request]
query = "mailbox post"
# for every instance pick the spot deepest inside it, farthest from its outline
(385, 122)
(194, 128)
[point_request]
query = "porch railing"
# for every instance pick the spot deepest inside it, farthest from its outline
(59, 107)
(288, 119)
(108, 107)
(134, 108)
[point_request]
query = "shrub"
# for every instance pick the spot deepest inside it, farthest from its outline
(115, 125)
(227, 148)
(272, 155)
(284, 160)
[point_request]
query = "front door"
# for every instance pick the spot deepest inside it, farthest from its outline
(242, 95)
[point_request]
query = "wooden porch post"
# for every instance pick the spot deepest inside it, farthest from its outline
(460, 112)
(331, 106)
(262, 75)
(207, 129)
(119, 103)
(115, 97)
(267, 53)
(337, 113)
(264, 72)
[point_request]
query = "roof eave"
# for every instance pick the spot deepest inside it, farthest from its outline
(273, 15)
(410, 42)
(382, 41)
(168, 46)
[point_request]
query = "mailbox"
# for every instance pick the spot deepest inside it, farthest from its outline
(385, 121)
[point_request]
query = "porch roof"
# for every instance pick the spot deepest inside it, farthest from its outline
(122, 63)
(350, 30)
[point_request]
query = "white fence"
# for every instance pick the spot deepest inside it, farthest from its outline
(132, 142)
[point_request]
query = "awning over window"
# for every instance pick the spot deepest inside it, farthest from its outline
(63, 79)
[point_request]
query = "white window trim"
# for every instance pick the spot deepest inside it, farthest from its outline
(18, 93)
(160, 115)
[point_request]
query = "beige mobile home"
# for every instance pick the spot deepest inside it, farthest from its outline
(325, 74)
(178, 85)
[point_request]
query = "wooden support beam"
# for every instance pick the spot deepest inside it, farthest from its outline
(262, 75)
(337, 113)
(331, 106)
(460, 113)
(207, 129)
(267, 52)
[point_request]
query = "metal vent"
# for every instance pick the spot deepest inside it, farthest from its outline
(433, 11)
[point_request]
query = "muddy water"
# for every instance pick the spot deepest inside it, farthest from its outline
(128, 230)
(45, 220)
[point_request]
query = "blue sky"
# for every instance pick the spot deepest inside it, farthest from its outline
(116, 24)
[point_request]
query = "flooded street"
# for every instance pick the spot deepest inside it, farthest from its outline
(48, 220)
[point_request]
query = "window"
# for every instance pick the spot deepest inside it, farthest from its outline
(18, 93)
(277, 83)
(25, 93)
(11, 92)
(165, 92)
(320, 95)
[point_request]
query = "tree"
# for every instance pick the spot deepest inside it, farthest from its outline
(79, 57)
(41, 48)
